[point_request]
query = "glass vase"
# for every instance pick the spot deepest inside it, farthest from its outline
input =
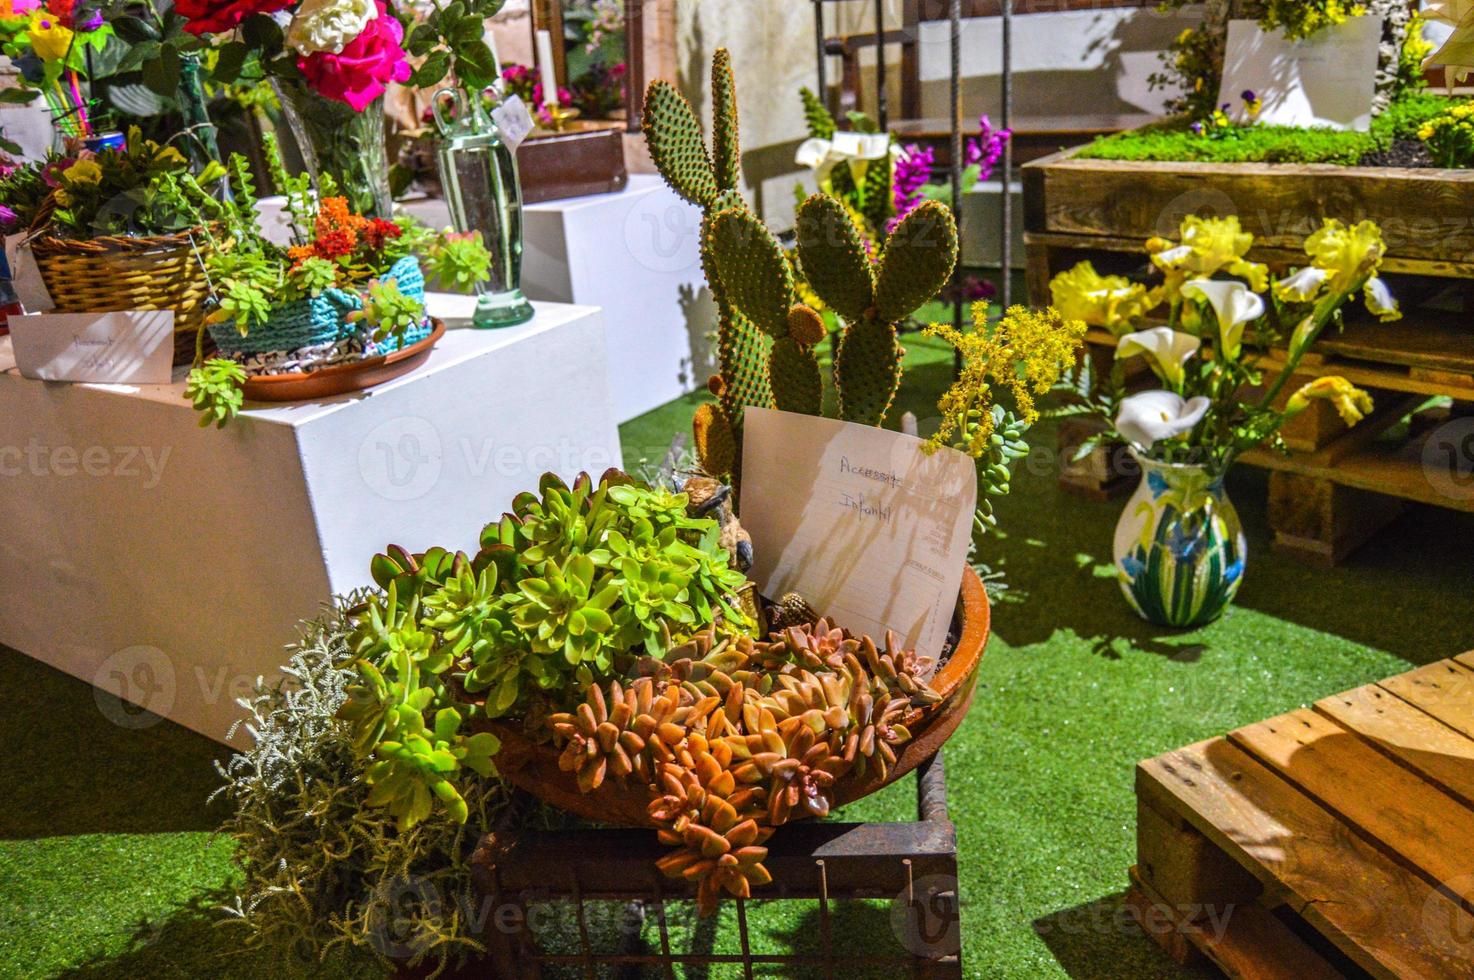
(346, 145)
(478, 173)
(1179, 548)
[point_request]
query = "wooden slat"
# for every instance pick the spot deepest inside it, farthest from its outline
(1413, 738)
(1405, 814)
(1467, 659)
(1248, 943)
(1371, 907)
(1037, 220)
(1422, 212)
(1445, 690)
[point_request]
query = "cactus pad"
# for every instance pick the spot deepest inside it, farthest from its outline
(724, 144)
(794, 374)
(754, 274)
(918, 259)
(716, 443)
(834, 259)
(805, 325)
(868, 371)
(673, 135)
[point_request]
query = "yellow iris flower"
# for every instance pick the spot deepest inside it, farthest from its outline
(1347, 253)
(1112, 302)
(1209, 246)
(1351, 403)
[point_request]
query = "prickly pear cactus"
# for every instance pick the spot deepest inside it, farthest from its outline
(762, 362)
(872, 297)
(765, 336)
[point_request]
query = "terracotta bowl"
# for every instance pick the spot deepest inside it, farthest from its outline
(340, 379)
(533, 766)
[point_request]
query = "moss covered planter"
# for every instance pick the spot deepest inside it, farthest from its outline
(533, 766)
(1073, 204)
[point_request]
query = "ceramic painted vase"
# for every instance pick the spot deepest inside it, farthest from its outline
(1179, 548)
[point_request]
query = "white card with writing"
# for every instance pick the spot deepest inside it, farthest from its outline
(1328, 79)
(25, 275)
(132, 347)
(513, 121)
(858, 520)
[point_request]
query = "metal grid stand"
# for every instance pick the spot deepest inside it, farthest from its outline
(913, 864)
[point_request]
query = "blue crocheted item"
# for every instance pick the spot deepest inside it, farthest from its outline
(323, 319)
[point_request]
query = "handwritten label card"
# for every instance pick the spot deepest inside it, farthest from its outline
(1328, 79)
(132, 347)
(858, 520)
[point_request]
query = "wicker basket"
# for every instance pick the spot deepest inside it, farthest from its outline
(162, 272)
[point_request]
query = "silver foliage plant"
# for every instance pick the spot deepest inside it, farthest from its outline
(320, 871)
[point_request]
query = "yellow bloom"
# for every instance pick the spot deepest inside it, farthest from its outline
(1351, 403)
(1350, 255)
(49, 39)
(1209, 246)
(84, 171)
(1112, 302)
(1024, 352)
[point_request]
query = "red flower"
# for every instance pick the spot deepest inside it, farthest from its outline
(219, 16)
(366, 66)
(380, 231)
(335, 243)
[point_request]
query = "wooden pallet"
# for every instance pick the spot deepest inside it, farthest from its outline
(1330, 841)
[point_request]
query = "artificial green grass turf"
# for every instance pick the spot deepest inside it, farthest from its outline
(1171, 140)
(108, 869)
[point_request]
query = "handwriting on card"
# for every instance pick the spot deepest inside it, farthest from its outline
(863, 523)
(123, 347)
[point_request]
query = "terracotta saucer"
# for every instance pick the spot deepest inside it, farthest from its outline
(340, 379)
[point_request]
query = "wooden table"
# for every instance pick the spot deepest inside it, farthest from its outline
(1329, 841)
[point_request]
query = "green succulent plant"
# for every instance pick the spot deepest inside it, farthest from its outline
(576, 585)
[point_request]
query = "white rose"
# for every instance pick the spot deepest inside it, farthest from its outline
(328, 25)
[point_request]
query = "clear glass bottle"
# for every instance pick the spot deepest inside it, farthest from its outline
(478, 172)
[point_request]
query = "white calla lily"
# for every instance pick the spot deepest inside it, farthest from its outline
(1167, 350)
(855, 149)
(1457, 52)
(1235, 305)
(1302, 286)
(1151, 416)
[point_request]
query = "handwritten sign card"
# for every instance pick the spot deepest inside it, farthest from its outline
(1328, 79)
(132, 347)
(860, 521)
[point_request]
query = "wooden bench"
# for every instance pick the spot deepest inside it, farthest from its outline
(1336, 840)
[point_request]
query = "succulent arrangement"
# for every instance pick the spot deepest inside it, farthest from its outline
(604, 621)
(766, 337)
(577, 583)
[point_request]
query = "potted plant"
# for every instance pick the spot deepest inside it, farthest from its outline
(603, 649)
(323, 314)
(1179, 548)
(104, 237)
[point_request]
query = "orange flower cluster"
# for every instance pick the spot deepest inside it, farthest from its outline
(337, 232)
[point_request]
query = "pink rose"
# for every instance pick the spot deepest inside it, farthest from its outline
(366, 66)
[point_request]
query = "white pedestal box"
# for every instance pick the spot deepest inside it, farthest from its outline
(636, 254)
(169, 564)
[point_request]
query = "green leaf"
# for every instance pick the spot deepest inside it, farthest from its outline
(134, 30)
(432, 71)
(16, 96)
(231, 59)
(474, 62)
(261, 33)
(161, 75)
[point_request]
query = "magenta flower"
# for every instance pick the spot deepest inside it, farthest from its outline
(365, 67)
(986, 150)
(913, 170)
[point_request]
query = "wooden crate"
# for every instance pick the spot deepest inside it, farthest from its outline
(1339, 488)
(1330, 841)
